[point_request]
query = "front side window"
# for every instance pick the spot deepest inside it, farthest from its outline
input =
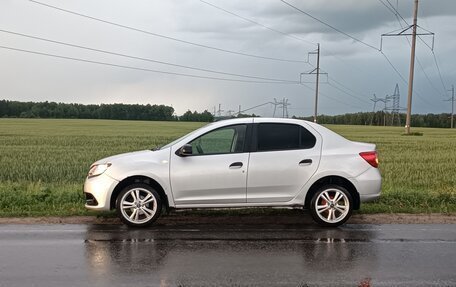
(272, 136)
(224, 140)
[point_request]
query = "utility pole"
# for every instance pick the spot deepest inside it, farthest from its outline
(316, 84)
(412, 70)
(452, 105)
(414, 33)
(316, 71)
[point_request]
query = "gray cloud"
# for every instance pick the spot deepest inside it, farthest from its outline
(363, 70)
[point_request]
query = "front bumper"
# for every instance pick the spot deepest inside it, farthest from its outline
(98, 191)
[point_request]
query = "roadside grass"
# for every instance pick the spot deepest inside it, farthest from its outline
(43, 163)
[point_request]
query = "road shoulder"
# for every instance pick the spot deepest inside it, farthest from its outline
(283, 219)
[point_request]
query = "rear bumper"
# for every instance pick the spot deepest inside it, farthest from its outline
(369, 185)
(98, 191)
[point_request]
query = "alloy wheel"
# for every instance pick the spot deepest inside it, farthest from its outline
(332, 205)
(138, 205)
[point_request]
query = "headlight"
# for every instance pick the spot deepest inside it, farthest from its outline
(98, 169)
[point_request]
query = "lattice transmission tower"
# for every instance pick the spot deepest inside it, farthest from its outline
(375, 100)
(281, 104)
(395, 107)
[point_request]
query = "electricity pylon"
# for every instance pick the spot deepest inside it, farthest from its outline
(375, 100)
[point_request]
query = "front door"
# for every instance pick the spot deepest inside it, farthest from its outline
(216, 172)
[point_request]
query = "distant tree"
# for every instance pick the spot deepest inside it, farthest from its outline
(246, 116)
(189, 116)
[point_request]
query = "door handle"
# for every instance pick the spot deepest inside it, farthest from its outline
(237, 164)
(304, 162)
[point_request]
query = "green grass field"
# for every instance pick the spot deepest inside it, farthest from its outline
(43, 162)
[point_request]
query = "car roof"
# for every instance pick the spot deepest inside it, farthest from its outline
(332, 137)
(260, 120)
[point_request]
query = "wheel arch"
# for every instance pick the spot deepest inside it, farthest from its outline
(138, 179)
(337, 180)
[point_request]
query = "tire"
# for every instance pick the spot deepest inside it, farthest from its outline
(326, 211)
(142, 212)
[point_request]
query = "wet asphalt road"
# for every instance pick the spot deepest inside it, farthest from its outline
(113, 255)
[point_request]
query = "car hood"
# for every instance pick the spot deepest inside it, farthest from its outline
(131, 156)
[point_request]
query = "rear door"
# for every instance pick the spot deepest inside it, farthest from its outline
(284, 158)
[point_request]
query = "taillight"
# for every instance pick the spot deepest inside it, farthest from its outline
(371, 157)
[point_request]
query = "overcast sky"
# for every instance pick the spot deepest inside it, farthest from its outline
(358, 71)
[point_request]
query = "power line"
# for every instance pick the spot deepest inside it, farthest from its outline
(396, 12)
(417, 59)
(425, 74)
(348, 35)
(167, 37)
(394, 68)
(420, 97)
(141, 69)
(141, 58)
(251, 108)
(344, 86)
(388, 7)
(424, 42)
(347, 88)
(257, 23)
(331, 98)
(435, 60)
(339, 101)
(438, 69)
(330, 26)
(405, 81)
(347, 93)
(398, 17)
(360, 41)
(430, 48)
(277, 31)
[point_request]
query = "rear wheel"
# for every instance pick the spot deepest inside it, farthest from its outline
(138, 205)
(331, 205)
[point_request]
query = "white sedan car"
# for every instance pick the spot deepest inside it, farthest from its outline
(248, 162)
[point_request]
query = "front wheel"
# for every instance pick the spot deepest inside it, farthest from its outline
(331, 205)
(138, 205)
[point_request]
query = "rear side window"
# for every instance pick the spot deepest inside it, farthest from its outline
(307, 139)
(284, 137)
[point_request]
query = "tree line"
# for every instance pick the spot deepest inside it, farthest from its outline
(381, 118)
(16, 109)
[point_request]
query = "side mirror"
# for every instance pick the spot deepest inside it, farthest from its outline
(185, 150)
